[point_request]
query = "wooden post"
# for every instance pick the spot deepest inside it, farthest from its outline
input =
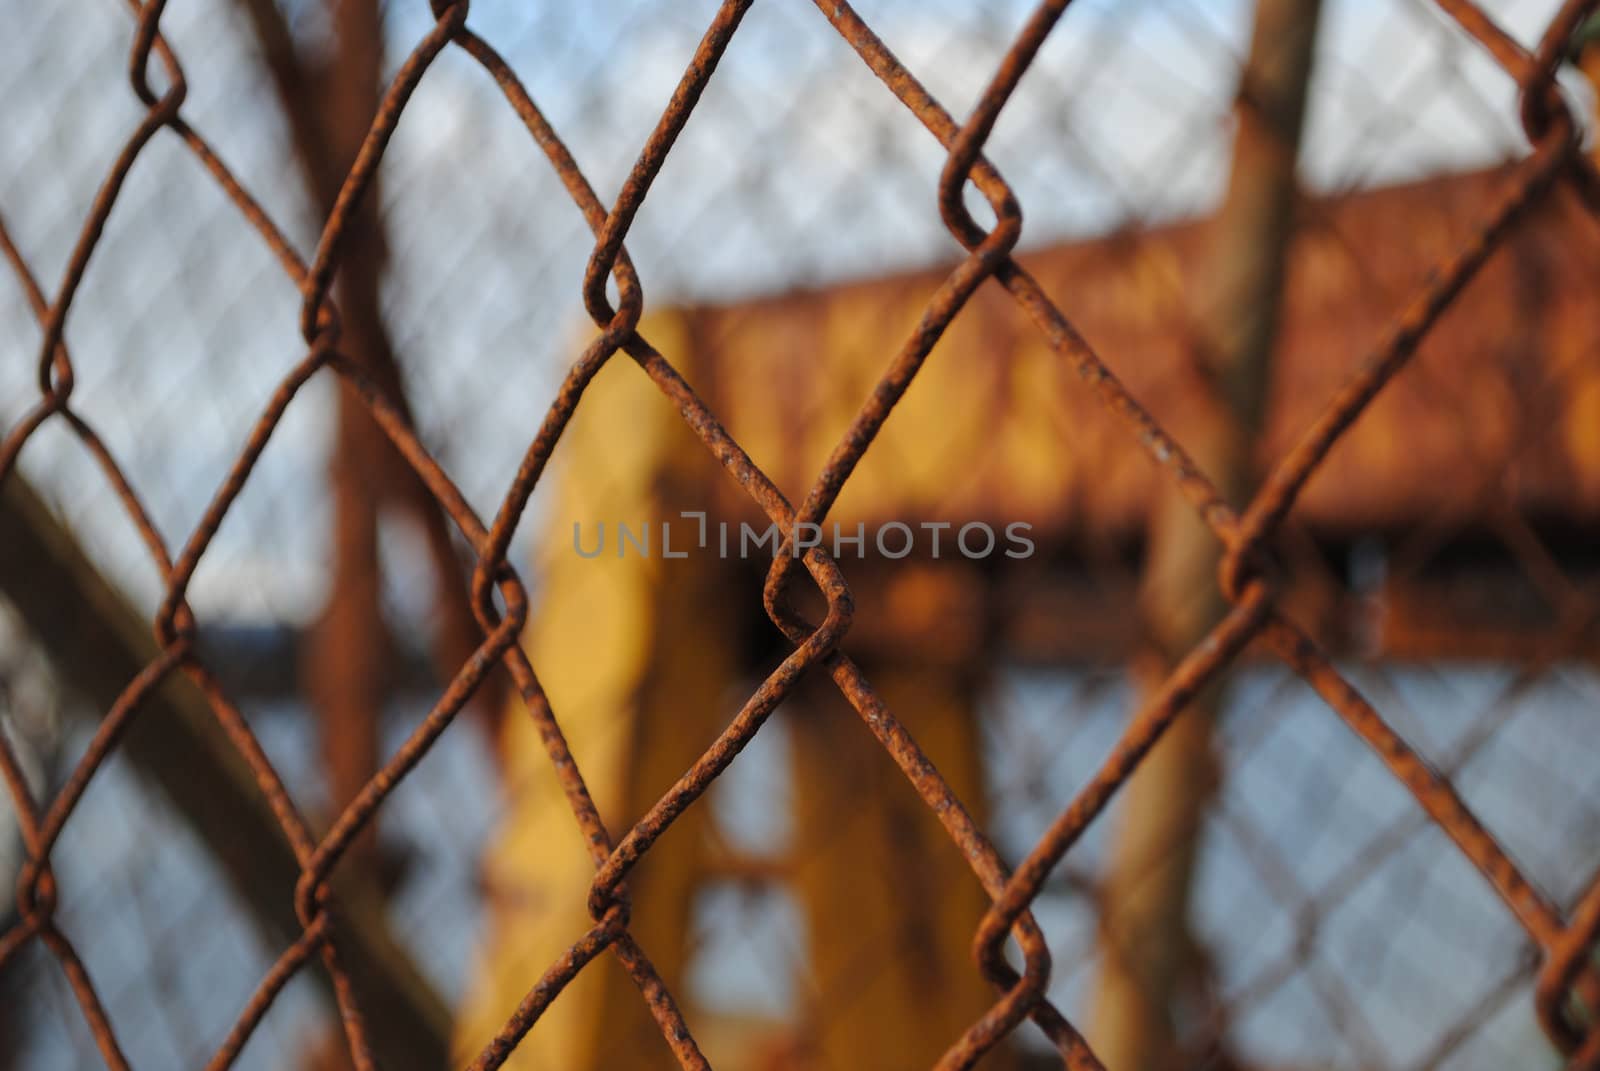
(1145, 942)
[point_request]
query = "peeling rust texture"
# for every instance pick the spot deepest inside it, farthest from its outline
(1246, 530)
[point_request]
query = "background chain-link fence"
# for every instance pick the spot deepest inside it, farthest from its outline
(1420, 892)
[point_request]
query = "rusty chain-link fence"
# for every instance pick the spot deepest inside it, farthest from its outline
(1026, 863)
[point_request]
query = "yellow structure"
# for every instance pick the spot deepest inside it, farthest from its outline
(646, 658)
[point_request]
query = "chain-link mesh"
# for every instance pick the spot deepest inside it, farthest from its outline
(1549, 934)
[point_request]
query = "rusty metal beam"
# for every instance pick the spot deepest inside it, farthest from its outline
(1504, 391)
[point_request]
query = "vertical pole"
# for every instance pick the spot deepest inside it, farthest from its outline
(347, 679)
(328, 107)
(1145, 938)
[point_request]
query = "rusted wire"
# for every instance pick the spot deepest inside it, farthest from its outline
(1247, 530)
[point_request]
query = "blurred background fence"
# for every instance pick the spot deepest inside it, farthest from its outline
(1446, 559)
